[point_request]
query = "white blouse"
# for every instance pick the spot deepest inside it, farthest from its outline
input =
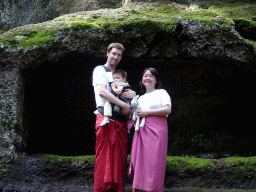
(155, 99)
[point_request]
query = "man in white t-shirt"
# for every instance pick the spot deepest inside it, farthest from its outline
(111, 139)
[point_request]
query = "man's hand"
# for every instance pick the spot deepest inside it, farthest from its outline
(126, 109)
(128, 93)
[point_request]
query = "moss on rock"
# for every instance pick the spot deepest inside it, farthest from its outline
(180, 172)
(69, 158)
(143, 18)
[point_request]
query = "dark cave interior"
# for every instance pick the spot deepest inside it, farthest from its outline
(59, 99)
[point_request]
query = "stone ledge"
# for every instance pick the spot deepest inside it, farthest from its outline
(229, 173)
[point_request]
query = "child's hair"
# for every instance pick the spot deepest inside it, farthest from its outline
(121, 72)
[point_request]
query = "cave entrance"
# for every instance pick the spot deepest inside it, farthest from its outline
(209, 98)
(59, 106)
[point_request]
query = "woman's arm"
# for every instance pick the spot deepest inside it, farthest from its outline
(165, 110)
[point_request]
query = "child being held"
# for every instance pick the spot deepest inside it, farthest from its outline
(118, 86)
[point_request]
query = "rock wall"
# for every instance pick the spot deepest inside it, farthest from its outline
(11, 102)
(23, 12)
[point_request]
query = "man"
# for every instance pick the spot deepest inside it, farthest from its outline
(111, 139)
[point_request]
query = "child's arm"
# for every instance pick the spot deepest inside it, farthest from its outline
(117, 89)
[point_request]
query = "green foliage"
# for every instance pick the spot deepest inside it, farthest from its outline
(253, 43)
(34, 36)
(234, 10)
(180, 163)
(187, 163)
(81, 25)
(139, 25)
(3, 30)
(245, 162)
(37, 37)
(142, 18)
(70, 158)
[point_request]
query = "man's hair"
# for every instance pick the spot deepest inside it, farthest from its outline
(117, 46)
(121, 72)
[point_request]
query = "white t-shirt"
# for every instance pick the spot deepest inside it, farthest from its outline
(100, 76)
(155, 99)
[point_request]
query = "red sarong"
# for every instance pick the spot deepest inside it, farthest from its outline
(111, 155)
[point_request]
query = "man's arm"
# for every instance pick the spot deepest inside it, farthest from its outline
(104, 93)
(128, 93)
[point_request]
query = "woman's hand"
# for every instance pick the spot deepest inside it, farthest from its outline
(165, 110)
(143, 113)
(128, 93)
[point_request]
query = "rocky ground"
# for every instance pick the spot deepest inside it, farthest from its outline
(14, 186)
(51, 173)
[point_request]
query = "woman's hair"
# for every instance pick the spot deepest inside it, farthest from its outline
(155, 74)
(117, 46)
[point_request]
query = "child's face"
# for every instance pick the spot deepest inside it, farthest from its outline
(118, 78)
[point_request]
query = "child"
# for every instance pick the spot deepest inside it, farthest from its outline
(118, 86)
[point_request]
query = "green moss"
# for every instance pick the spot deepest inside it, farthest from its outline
(70, 158)
(38, 37)
(2, 30)
(58, 19)
(83, 26)
(139, 25)
(28, 37)
(253, 43)
(188, 163)
(240, 166)
(141, 18)
(245, 163)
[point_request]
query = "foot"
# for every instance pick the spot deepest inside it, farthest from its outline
(104, 122)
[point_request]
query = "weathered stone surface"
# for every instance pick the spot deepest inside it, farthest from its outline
(71, 33)
(42, 169)
(23, 12)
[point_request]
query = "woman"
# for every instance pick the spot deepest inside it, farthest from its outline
(149, 146)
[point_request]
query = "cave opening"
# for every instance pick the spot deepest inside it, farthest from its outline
(59, 105)
(208, 97)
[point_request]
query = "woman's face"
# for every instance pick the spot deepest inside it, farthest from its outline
(149, 80)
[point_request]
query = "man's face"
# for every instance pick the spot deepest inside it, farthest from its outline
(114, 56)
